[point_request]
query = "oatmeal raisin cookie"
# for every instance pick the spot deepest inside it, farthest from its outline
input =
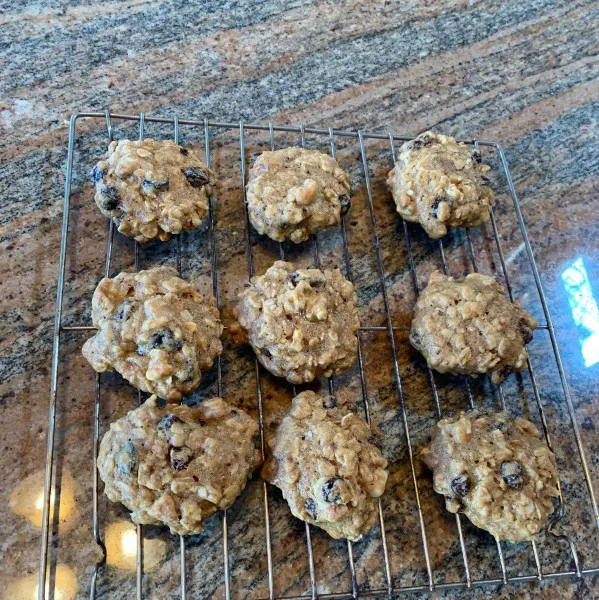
(325, 462)
(177, 465)
(152, 188)
(302, 323)
(440, 184)
(496, 470)
(156, 330)
(293, 192)
(468, 326)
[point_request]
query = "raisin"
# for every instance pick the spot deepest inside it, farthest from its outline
(123, 311)
(126, 458)
(511, 471)
(436, 203)
(418, 143)
(235, 413)
(329, 402)
(110, 197)
(476, 155)
(460, 485)
(97, 174)
(184, 151)
(505, 372)
(317, 281)
(158, 185)
(503, 427)
(294, 279)
(180, 458)
(160, 402)
(527, 334)
(311, 508)
(345, 204)
(331, 492)
(167, 422)
(164, 340)
(196, 177)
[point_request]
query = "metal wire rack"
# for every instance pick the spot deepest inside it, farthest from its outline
(389, 589)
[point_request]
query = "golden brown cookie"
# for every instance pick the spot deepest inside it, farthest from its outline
(302, 323)
(291, 193)
(152, 188)
(440, 184)
(156, 330)
(496, 470)
(175, 465)
(468, 326)
(323, 459)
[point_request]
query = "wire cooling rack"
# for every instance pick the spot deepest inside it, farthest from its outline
(389, 589)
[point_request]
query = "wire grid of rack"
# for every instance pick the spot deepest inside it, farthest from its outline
(389, 589)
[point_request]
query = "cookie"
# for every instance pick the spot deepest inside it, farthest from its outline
(468, 326)
(294, 192)
(496, 470)
(152, 189)
(175, 465)
(302, 323)
(323, 459)
(440, 184)
(156, 330)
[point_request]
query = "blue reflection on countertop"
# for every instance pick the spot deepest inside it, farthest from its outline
(584, 308)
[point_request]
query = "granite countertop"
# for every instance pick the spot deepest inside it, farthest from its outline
(523, 74)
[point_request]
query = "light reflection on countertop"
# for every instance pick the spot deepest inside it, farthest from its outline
(584, 309)
(121, 548)
(26, 588)
(27, 500)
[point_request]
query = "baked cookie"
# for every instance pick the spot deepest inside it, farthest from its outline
(440, 184)
(468, 326)
(152, 188)
(293, 192)
(156, 330)
(496, 470)
(175, 465)
(323, 459)
(302, 323)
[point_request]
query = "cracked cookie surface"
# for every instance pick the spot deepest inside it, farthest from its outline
(440, 184)
(468, 326)
(293, 192)
(156, 330)
(302, 323)
(496, 470)
(177, 465)
(152, 189)
(323, 459)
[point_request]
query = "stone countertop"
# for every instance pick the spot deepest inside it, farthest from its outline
(523, 74)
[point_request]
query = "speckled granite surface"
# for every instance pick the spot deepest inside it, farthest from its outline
(523, 74)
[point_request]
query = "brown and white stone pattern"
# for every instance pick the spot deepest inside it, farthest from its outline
(522, 74)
